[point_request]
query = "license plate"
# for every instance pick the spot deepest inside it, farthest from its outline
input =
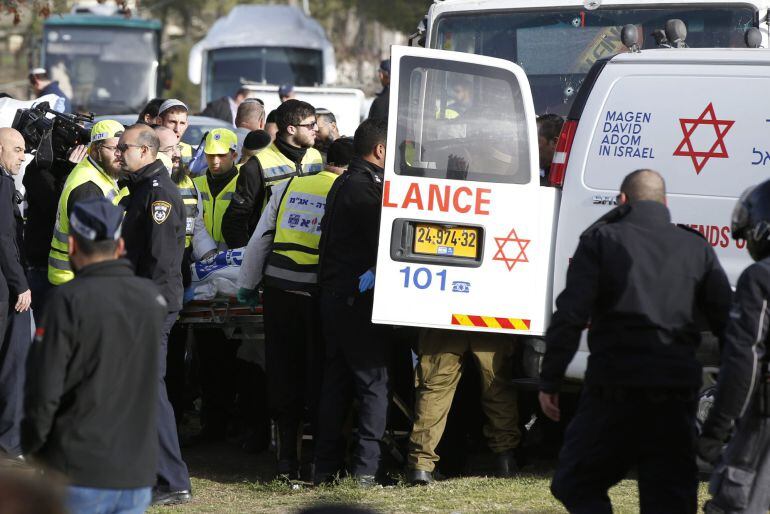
(446, 241)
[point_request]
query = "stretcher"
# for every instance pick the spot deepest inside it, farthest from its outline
(238, 321)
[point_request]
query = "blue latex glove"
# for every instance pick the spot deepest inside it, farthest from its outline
(366, 281)
(248, 297)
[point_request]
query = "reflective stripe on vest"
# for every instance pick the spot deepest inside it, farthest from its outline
(189, 195)
(294, 257)
(276, 166)
(59, 270)
(214, 208)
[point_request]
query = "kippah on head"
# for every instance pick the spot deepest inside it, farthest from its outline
(256, 140)
(644, 185)
(341, 152)
(170, 104)
(96, 219)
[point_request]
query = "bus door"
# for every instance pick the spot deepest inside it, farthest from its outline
(462, 240)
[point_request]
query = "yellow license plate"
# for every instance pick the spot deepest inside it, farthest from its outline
(446, 241)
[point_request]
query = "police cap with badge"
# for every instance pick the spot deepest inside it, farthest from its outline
(96, 220)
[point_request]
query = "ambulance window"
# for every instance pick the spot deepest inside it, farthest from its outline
(460, 121)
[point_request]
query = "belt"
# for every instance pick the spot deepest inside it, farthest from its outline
(652, 394)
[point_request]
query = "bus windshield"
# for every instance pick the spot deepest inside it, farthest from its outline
(556, 48)
(95, 69)
(229, 68)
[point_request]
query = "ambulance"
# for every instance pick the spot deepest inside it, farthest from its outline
(470, 239)
(557, 41)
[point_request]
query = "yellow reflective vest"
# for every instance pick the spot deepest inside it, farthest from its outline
(190, 198)
(87, 170)
(214, 208)
(293, 262)
(276, 166)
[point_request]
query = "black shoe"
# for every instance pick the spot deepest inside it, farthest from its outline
(505, 464)
(419, 477)
(366, 481)
(162, 496)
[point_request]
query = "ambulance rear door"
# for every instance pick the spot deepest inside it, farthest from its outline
(466, 229)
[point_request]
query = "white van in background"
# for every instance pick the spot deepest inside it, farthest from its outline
(469, 240)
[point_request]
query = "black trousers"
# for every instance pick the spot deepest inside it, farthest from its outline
(614, 433)
(293, 357)
(217, 372)
(172, 471)
(356, 368)
(16, 340)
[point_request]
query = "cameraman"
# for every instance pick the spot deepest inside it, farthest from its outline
(43, 185)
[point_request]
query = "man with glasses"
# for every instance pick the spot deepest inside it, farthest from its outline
(291, 154)
(154, 232)
(95, 176)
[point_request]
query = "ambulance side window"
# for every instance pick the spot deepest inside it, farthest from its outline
(460, 121)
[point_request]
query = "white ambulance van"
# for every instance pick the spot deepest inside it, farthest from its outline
(470, 240)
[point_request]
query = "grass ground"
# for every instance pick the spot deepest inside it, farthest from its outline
(227, 481)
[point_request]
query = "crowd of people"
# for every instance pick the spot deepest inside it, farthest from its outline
(131, 212)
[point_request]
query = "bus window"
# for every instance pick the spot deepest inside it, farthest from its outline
(460, 122)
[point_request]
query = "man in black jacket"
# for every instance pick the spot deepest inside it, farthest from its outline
(154, 231)
(381, 104)
(641, 282)
(226, 108)
(291, 154)
(741, 479)
(88, 405)
(356, 355)
(15, 296)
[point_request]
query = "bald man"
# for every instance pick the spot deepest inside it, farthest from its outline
(641, 282)
(15, 296)
(154, 233)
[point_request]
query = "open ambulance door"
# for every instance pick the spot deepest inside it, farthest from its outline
(466, 229)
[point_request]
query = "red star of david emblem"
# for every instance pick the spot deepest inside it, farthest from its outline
(717, 150)
(520, 245)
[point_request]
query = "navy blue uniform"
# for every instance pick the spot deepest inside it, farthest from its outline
(640, 281)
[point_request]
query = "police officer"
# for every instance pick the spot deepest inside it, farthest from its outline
(154, 232)
(291, 154)
(94, 177)
(15, 296)
(173, 114)
(741, 481)
(217, 354)
(640, 281)
(356, 354)
(86, 404)
(283, 255)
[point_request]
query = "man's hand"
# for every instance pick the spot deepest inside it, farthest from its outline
(366, 281)
(78, 154)
(248, 297)
(209, 256)
(24, 301)
(549, 402)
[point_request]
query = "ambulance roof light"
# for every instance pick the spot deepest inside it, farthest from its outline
(676, 33)
(753, 38)
(629, 36)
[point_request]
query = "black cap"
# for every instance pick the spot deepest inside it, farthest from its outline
(340, 152)
(256, 140)
(96, 219)
(385, 65)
